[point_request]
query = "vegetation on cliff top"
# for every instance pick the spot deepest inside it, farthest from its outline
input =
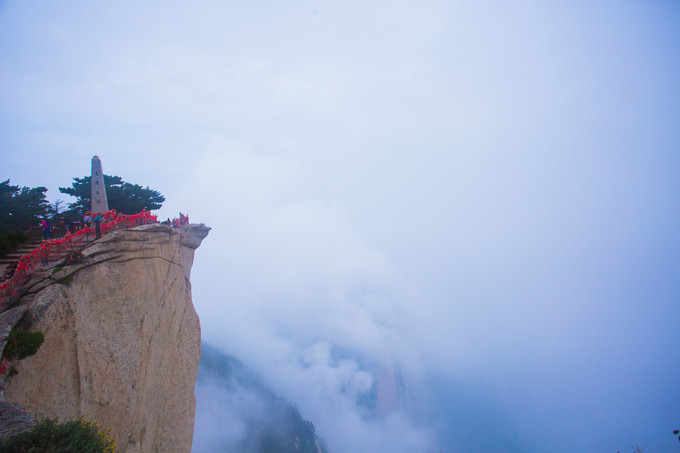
(121, 196)
(21, 207)
(11, 240)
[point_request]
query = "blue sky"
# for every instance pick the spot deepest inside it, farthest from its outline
(483, 194)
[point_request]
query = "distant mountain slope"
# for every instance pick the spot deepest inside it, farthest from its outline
(236, 413)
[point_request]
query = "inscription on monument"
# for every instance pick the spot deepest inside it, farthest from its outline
(99, 202)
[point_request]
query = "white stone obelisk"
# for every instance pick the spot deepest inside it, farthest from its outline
(99, 202)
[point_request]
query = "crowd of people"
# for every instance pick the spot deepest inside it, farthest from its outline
(177, 222)
(76, 236)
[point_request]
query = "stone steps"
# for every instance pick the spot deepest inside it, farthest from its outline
(22, 250)
(14, 256)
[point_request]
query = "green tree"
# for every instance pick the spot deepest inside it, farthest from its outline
(122, 196)
(21, 207)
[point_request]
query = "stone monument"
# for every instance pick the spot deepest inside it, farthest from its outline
(99, 202)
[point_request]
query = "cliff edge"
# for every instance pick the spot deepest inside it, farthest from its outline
(122, 339)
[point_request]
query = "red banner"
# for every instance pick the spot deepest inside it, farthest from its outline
(58, 248)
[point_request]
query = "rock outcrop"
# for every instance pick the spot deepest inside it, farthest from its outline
(122, 339)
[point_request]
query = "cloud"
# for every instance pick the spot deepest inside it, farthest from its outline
(305, 301)
(483, 195)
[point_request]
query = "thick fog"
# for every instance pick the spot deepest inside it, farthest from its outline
(436, 226)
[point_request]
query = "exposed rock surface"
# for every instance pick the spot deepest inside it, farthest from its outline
(14, 419)
(122, 340)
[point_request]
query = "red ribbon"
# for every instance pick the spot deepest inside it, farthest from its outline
(26, 264)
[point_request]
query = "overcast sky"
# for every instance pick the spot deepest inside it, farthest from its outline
(484, 195)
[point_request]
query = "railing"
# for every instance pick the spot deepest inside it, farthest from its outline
(36, 232)
(59, 248)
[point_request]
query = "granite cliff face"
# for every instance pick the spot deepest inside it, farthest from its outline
(122, 339)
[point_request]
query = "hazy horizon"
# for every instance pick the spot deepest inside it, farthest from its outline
(482, 196)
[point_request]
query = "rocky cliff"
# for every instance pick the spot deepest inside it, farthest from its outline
(122, 339)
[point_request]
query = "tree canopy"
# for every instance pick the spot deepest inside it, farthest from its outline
(21, 207)
(122, 196)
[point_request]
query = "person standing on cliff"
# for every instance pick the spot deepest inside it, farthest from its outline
(87, 224)
(47, 228)
(98, 225)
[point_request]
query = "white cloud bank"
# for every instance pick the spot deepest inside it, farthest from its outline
(484, 193)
